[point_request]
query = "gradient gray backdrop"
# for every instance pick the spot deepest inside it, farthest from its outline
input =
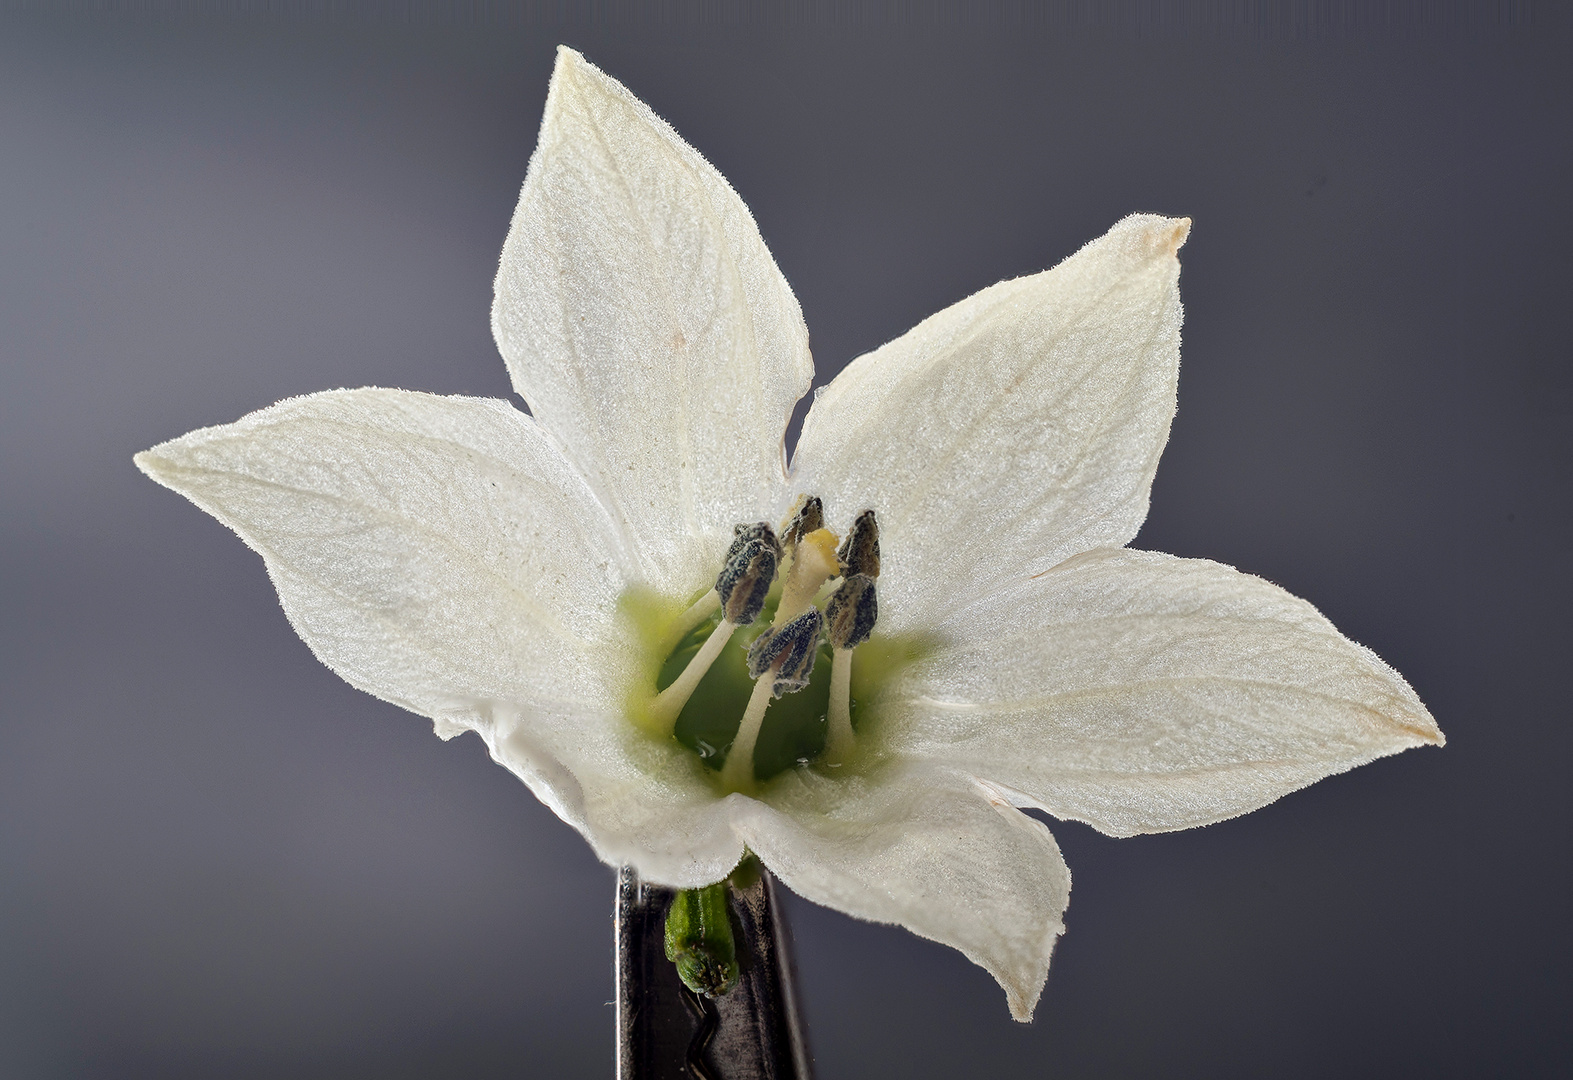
(217, 860)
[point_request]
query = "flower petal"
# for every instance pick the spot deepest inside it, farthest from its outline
(937, 852)
(430, 550)
(1140, 692)
(443, 554)
(1012, 430)
(639, 801)
(647, 326)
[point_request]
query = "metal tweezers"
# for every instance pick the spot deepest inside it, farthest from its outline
(665, 1031)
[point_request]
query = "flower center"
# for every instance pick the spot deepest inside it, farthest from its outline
(789, 696)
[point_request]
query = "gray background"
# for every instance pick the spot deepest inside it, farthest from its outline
(217, 860)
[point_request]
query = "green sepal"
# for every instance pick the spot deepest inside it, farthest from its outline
(699, 939)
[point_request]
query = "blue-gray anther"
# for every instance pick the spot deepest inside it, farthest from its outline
(745, 577)
(788, 653)
(807, 516)
(744, 535)
(850, 615)
(859, 552)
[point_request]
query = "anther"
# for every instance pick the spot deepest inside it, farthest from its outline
(741, 587)
(780, 660)
(787, 653)
(748, 572)
(859, 552)
(851, 613)
(808, 515)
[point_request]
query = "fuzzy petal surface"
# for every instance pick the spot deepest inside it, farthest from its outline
(1140, 692)
(647, 326)
(639, 802)
(928, 848)
(443, 554)
(1011, 430)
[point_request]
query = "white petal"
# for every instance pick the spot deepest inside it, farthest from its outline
(1009, 431)
(638, 801)
(443, 554)
(427, 548)
(1140, 692)
(647, 326)
(932, 850)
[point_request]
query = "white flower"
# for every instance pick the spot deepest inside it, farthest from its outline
(509, 575)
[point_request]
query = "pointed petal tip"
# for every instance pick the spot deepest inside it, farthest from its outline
(1413, 720)
(1023, 1000)
(569, 60)
(1022, 997)
(152, 464)
(1154, 235)
(572, 67)
(568, 69)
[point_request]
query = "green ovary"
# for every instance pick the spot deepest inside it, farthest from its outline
(794, 728)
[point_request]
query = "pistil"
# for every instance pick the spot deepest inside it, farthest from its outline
(826, 592)
(782, 658)
(812, 563)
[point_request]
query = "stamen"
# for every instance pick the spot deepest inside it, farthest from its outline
(859, 553)
(852, 612)
(840, 743)
(740, 591)
(684, 624)
(748, 572)
(669, 702)
(787, 652)
(808, 515)
(738, 772)
(816, 592)
(781, 660)
(850, 618)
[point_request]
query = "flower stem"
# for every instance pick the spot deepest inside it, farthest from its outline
(667, 1032)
